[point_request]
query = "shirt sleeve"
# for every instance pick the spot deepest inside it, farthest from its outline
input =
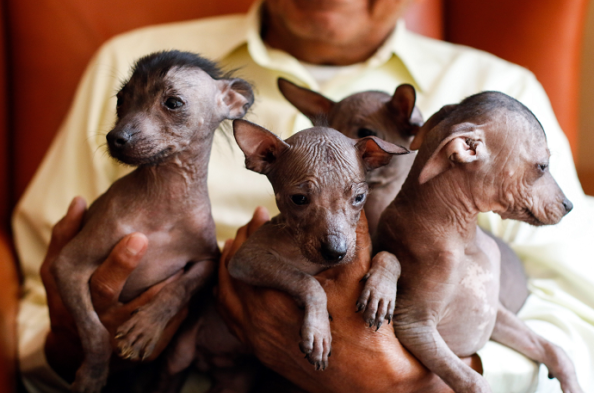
(76, 164)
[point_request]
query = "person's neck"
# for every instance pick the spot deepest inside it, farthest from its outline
(320, 52)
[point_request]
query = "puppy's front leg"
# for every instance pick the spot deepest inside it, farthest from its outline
(378, 297)
(511, 331)
(268, 270)
(72, 271)
(137, 337)
(423, 340)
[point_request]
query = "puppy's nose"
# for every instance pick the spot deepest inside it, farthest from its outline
(567, 205)
(333, 251)
(118, 139)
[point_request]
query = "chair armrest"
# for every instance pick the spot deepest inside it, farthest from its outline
(587, 180)
(9, 300)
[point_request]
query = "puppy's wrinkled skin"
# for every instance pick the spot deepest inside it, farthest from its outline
(488, 153)
(318, 177)
(167, 113)
(395, 119)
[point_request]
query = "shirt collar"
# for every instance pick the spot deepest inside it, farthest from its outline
(397, 45)
(400, 43)
(407, 46)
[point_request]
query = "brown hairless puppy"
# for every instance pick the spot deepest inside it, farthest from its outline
(363, 359)
(167, 113)
(318, 177)
(395, 119)
(488, 153)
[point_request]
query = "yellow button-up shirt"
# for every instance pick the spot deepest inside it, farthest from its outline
(558, 259)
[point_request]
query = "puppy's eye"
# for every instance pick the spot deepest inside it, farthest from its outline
(173, 103)
(359, 198)
(300, 199)
(363, 132)
(542, 167)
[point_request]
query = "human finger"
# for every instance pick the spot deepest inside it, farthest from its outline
(108, 280)
(261, 215)
(227, 294)
(229, 250)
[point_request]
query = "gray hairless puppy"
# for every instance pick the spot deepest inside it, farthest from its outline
(167, 113)
(488, 153)
(395, 119)
(318, 177)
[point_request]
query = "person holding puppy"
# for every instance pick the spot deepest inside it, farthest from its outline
(336, 48)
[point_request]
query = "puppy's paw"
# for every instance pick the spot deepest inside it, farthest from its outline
(316, 340)
(479, 385)
(567, 379)
(561, 367)
(136, 338)
(378, 298)
(571, 387)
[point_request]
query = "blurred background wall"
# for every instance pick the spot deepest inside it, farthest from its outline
(585, 162)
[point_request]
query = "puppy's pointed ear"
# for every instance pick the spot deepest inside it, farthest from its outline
(376, 152)
(431, 123)
(313, 105)
(403, 100)
(402, 106)
(461, 147)
(260, 146)
(235, 97)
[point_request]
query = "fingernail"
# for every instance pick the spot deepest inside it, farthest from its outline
(134, 245)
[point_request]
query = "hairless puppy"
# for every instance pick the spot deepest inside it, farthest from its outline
(318, 177)
(167, 113)
(488, 153)
(395, 119)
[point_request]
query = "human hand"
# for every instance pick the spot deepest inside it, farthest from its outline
(268, 321)
(62, 346)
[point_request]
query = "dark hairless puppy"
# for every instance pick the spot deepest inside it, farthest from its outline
(489, 153)
(318, 177)
(167, 113)
(395, 119)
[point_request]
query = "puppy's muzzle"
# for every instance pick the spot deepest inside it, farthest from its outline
(333, 249)
(567, 205)
(118, 140)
